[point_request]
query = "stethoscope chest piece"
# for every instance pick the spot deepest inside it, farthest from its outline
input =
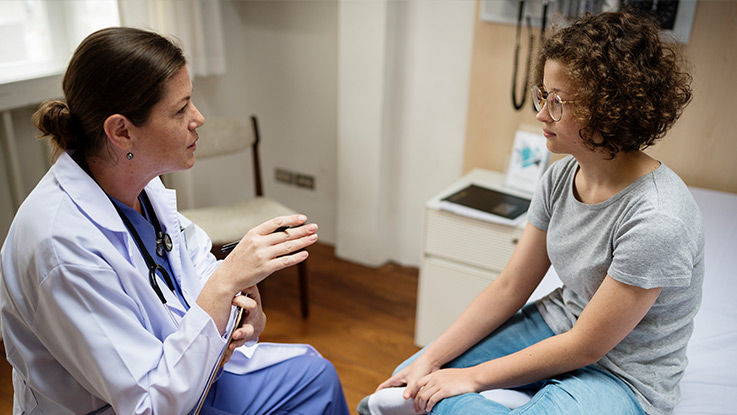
(163, 243)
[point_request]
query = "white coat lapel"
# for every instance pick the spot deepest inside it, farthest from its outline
(94, 203)
(87, 194)
(164, 202)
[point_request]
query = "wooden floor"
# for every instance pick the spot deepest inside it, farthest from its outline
(362, 319)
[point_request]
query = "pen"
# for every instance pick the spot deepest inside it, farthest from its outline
(229, 246)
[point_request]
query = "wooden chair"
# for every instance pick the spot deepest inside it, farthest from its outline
(228, 223)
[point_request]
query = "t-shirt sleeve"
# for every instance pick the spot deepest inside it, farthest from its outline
(541, 205)
(652, 250)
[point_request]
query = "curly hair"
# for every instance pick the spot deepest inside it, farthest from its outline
(629, 84)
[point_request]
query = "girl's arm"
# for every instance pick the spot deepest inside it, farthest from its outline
(615, 309)
(495, 305)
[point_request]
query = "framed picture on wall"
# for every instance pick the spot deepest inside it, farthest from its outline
(529, 160)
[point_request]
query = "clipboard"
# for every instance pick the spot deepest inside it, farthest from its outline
(213, 374)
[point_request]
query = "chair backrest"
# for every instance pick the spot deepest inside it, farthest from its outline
(221, 136)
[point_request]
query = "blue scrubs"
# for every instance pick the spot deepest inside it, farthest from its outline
(302, 385)
(145, 228)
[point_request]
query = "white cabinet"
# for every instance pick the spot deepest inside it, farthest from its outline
(460, 257)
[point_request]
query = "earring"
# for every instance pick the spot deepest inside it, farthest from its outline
(129, 155)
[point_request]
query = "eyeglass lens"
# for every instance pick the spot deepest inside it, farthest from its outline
(555, 108)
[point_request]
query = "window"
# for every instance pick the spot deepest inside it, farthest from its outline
(40, 36)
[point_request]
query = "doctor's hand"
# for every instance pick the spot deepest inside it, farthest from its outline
(254, 320)
(258, 254)
(263, 251)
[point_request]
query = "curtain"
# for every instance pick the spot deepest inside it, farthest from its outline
(197, 25)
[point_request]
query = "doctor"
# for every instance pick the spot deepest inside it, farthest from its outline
(111, 300)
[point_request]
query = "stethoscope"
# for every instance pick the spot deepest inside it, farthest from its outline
(163, 245)
(163, 240)
(515, 65)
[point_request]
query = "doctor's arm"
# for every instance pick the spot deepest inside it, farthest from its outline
(615, 309)
(103, 338)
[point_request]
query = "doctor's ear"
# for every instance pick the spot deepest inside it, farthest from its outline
(118, 130)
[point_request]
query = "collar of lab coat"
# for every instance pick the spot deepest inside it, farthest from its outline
(92, 200)
(88, 195)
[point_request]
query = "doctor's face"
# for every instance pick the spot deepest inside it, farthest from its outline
(166, 142)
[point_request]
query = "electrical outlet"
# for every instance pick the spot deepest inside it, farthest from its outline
(284, 176)
(304, 180)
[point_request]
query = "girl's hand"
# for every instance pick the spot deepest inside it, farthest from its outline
(442, 384)
(263, 251)
(409, 376)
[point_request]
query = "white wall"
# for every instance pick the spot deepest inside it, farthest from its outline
(281, 66)
(404, 75)
(368, 96)
(433, 71)
(403, 69)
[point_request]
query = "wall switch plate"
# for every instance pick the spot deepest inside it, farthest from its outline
(284, 176)
(305, 181)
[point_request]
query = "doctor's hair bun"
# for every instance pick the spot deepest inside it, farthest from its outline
(55, 121)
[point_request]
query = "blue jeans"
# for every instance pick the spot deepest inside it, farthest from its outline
(586, 391)
(303, 385)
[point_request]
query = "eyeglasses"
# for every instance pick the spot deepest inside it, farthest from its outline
(555, 104)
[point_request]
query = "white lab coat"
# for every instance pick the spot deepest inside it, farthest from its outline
(81, 324)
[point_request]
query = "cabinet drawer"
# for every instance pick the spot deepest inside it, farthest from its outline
(472, 241)
(445, 290)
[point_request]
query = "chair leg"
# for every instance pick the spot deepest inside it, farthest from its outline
(303, 297)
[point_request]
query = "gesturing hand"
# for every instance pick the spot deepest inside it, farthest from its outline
(442, 384)
(262, 251)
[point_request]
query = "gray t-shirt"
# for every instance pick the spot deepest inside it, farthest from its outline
(648, 235)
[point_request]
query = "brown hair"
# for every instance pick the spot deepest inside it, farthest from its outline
(117, 70)
(629, 84)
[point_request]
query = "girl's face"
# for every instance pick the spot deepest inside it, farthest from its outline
(561, 136)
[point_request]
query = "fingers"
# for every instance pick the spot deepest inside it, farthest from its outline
(252, 292)
(288, 260)
(393, 381)
(411, 390)
(245, 302)
(273, 224)
(426, 398)
(290, 246)
(417, 388)
(288, 241)
(241, 336)
(261, 252)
